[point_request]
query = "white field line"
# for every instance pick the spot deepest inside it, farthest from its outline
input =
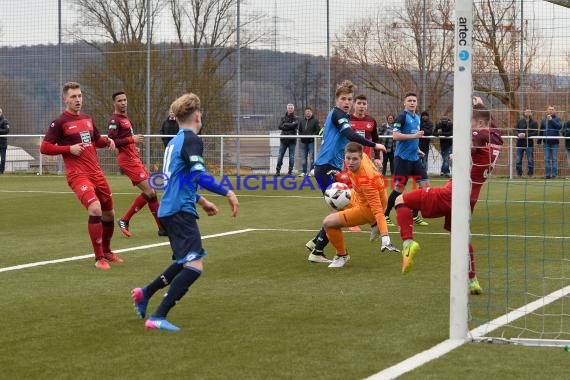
(418, 360)
(81, 257)
(449, 345)
(520, 312)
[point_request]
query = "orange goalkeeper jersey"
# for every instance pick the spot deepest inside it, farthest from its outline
(369, 188)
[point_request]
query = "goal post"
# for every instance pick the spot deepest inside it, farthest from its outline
(461, 190)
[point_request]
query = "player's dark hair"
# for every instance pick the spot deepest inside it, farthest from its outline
(361, 97)
(353, 147)
(346, 87)
(480, 112)
(308, 108)
(70, 86)
(115, 94)
(410, 94)
(185, 106)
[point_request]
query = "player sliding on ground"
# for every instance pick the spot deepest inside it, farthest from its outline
(366, 206)
(435, 202)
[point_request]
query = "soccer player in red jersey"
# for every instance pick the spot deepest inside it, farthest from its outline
(435, 202)
(121, 132)
(74, 135)
(365, 125)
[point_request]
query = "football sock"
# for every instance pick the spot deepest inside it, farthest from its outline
(391, 201)
(386, 240)
(95, 234)
(471, 262)
(108, 228)
(321, 240)
(153, 205)
(405, 221)
(180, 285)
(337, 239)
(163, 280)
(415, 213)
(137, 205)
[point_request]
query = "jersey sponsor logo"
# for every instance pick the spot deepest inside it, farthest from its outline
(112, 126)
(195, 158)
(85, 137)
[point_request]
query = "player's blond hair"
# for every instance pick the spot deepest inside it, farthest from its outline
(185, 106)
(70, 86)
(346, 87)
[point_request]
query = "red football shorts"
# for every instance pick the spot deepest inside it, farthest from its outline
(432, 202)
(91, 188)
(135, 170)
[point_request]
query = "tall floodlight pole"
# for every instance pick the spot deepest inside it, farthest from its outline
(329, 96)
(521, 61)
(148, 105)
(423, 71)
(461, 190)
(238, 97)
(60, 46)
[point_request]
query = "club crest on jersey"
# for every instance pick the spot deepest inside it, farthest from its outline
(84, 188)
(85, 137)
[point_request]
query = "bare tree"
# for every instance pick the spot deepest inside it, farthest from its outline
(389, 54)
(498, 40)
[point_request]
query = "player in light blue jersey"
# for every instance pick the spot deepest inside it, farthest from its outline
(337, 133)
(407, 160)
(185, 172)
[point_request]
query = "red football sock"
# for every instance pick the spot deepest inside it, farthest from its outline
(108, 228)
(471, 262)
(153, 205)
(137, 205)
(95, 234)
(405, 222)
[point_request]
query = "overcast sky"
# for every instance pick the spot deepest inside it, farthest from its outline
(289, 25)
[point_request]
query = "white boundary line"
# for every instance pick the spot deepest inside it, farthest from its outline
(81, 257)
(449, 345)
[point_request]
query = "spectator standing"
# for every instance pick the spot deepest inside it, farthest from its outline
(4, 130)
(426, 125)
(526, 127)
(386, 130)
(308, 126)
(444, 128)
(566, 134)
(550, 126)
(288, 126)
(169, 127)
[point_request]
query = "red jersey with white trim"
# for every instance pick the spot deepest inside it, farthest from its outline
(69, 129)
(121, 131)
(485, 149)
(366, 127)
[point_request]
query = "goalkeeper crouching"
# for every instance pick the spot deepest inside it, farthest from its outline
(366, 206)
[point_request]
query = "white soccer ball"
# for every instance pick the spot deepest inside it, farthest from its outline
(338, 195)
